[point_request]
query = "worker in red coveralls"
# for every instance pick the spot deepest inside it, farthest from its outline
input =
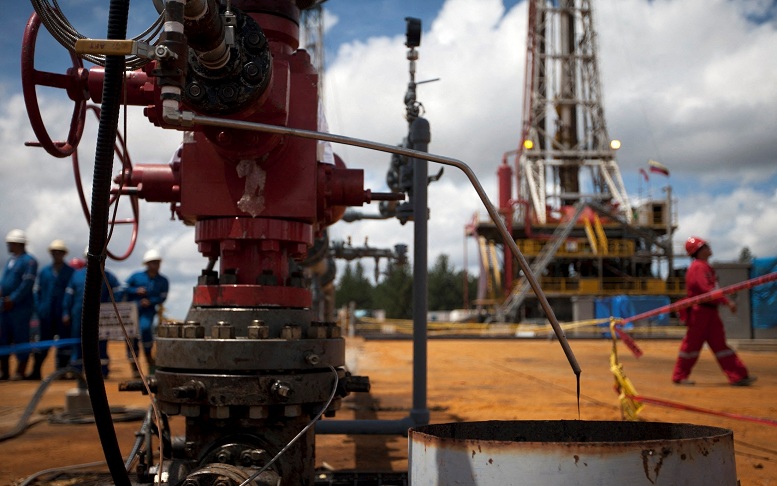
(703, 322)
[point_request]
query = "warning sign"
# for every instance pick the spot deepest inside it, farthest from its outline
(111, 321)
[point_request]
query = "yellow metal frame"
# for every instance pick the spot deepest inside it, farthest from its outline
(673, 287)
(581, 249)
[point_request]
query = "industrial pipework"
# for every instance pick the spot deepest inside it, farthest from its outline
(251, 369)
(251, 366)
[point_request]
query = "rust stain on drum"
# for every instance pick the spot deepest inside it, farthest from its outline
(655, 441)
(647, 455)
(565, 433)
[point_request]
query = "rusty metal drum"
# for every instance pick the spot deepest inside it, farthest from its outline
(570, 453)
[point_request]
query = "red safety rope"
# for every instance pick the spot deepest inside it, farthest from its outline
(691, 408)
(632, 403)
(711, 295)
(685, 303)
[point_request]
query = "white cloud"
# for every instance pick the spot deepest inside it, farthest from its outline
(476, 49)
(743, 218)
(39, 194)
(330, 21)
(697, 95)
(686, 82)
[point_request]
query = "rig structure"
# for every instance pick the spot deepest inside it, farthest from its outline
(571, 216)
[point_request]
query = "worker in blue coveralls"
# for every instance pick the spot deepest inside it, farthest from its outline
(149, 288)
(72, 307)
(49, 293)
(17, 301)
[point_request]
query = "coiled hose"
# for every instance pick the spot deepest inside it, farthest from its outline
(98, 236)
(24, 420)
(63, 31)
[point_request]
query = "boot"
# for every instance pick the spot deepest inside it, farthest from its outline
(38, 359)
(63, 357)
(5, 372)
(151, 365)
(62, 361)
(20, 369)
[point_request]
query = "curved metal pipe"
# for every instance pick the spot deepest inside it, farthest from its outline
(188, 118)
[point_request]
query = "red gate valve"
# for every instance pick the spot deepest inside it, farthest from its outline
(340, 187)
(152, 182)
(337, 189)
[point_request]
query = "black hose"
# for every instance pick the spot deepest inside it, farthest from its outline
(24, 421)
(98, 235)
(140, 437)
(118, 414)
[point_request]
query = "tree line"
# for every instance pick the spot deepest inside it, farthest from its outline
(394, 293)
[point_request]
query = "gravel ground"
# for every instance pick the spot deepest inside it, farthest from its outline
(468, 380)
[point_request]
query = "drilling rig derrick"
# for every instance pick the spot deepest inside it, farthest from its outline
(571, 215)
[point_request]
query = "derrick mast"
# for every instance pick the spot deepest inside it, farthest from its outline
(566, 153)
(571, 215)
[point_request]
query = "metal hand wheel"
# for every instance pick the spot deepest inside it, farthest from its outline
(121, 151)
(74, 82)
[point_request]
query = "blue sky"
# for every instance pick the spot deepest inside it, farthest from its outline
(693, 94)
(358, 20)
(362, 19)
(691, 83)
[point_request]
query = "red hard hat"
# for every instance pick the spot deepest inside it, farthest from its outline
(76, 263)
(693, 245)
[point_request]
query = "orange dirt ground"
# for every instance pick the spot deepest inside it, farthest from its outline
(468, 380)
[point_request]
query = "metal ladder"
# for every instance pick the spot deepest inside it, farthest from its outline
(519, 292)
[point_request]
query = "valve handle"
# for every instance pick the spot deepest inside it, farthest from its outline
(120, 148)
(74, 82)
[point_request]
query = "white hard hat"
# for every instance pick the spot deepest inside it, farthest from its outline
(16, 236)
(152, 256)
(58, 245)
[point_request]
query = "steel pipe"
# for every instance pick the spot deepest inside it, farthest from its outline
(191, 119)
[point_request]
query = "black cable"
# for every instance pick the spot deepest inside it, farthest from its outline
(98, 231)
(118, 414)
(59, 470)
(140, 437)
(24, 420)
(301, 432)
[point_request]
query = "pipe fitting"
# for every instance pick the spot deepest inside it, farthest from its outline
(193, 330)
(223, 330)
(281, 390)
